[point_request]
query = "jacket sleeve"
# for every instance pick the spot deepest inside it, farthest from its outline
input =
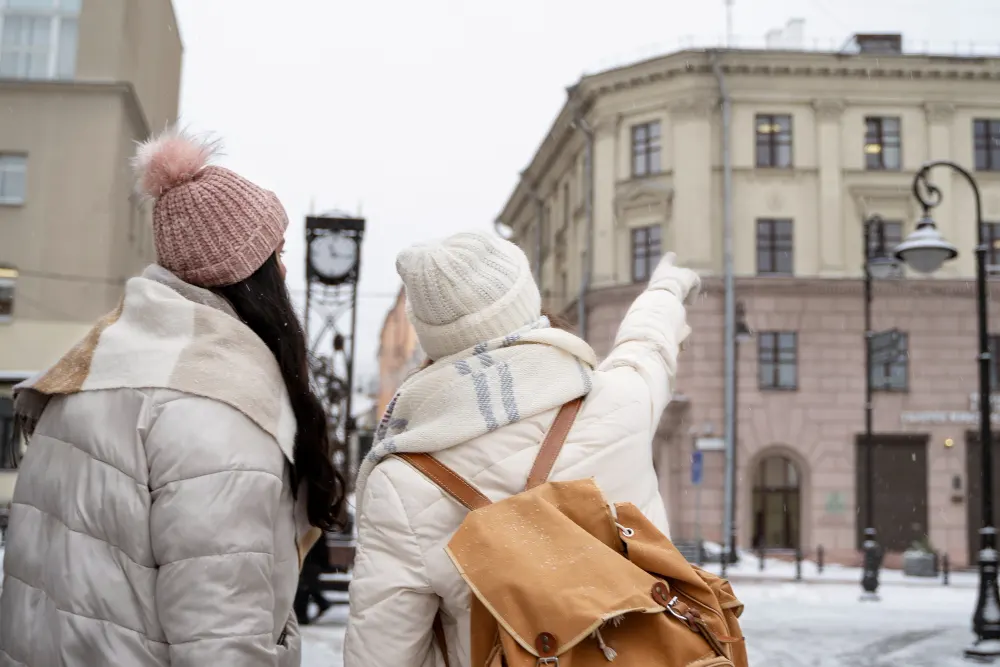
(391, 600)
(215, 480)
(650, 337)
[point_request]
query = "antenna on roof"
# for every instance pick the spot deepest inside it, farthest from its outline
(729, 23)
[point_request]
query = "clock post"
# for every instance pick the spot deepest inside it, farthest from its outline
(333, 268)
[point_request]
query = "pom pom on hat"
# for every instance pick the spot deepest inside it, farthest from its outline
(170, 159)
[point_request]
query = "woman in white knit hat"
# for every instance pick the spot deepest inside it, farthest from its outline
(499, 374)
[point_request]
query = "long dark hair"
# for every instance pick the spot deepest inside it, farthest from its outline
(262, 302)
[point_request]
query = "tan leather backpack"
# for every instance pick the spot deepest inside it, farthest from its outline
(562, 579)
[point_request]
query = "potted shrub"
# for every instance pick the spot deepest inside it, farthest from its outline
(920, 560)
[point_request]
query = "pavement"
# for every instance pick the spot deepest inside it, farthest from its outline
(791, 624)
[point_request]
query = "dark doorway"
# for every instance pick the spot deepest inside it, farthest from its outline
(900, 484)
(974, 484)
(776, 504)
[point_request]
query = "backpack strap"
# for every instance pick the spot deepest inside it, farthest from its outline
(447, 480)
(552, 445)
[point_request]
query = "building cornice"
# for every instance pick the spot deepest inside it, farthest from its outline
(796, 287)
(741, 63)
(122, 88)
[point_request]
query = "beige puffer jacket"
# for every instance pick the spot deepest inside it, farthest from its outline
(153, 522)
(402, 574)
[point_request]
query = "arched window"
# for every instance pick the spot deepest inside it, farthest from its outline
(776, 504)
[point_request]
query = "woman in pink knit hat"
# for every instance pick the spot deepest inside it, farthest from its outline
(178, 464)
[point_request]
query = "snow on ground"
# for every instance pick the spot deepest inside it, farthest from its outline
(801, 625)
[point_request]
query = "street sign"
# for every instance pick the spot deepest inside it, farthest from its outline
(888, 347)
(697, 466)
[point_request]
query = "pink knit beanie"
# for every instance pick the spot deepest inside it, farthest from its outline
(211, 226)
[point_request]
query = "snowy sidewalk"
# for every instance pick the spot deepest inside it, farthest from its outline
(791, 625)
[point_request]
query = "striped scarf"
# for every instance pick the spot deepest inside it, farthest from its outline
(497, 383)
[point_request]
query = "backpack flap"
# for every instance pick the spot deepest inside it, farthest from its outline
(541, 574)
(653, 551)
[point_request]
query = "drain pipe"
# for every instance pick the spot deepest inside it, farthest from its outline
(581, 124)
(730, 307)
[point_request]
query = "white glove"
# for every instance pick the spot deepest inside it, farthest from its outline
(684, 283)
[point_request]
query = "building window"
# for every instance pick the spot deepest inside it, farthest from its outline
(13, 178)
(883, 145)
(566, 205)
(892, 236)
(8, 280)
(778, 360)
(991, 236)
(645, 252)
(774, 247)
(892, 372)
(986, 139)
(994, 343)
(774, 141)
(646, 149)
(38, 38)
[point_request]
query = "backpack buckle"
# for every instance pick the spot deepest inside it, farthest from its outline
(547, 661)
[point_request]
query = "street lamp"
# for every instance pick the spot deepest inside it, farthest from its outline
(925, 250)
(878, 264)
(742, 333)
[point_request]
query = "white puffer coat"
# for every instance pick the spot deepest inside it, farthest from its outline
(402, 574)
(153, 521)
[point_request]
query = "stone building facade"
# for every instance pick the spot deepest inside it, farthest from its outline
(819, 141)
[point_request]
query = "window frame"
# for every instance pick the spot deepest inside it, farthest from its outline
(21, 160)
(882, 139)
(642, 238)
(991, 134)
(891, 239)
(991, 235)
(771, 342)
(768, 144)
(881, 374)
(643, 150)
(772, 246)
(8, 279)
(57, 13)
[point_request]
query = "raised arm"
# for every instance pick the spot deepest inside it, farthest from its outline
(652, 332)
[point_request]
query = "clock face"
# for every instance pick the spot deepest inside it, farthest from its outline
(333, 256)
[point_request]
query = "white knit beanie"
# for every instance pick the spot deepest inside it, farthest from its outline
(466, 290)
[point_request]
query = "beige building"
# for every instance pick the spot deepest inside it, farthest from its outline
(818, 141)
(80, 82)
(399, 352)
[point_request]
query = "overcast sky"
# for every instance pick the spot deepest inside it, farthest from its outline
(422, 113)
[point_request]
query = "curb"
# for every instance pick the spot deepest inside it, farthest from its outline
(754, 579)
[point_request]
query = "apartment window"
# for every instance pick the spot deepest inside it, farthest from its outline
(774, 247)
(13, 178)
(8, 280)
(646, 149)
(894, 373)
(645, 252)
(778, 359)
(991, 236)
(994, 343)
(566, 205)
(892, 231)
(986, 139)
(38, 38)
(774, 141)
(883, 145)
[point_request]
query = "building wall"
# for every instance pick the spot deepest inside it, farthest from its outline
(80, 233)
(399, 352)
(827, 194)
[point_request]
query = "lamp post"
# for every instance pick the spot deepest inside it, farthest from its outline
(925, 250)
(877, 264)
(742, 333)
